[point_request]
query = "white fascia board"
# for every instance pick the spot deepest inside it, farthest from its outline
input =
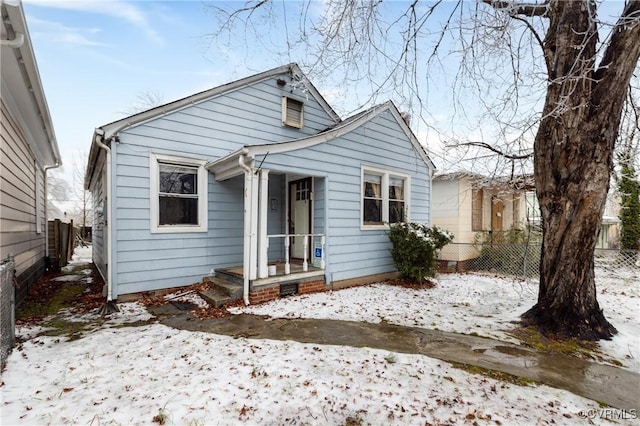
(252, 151)
(342, 129)
(223, 168)
(112, 129)
(41, 118)
(310, 141)
(94, 155)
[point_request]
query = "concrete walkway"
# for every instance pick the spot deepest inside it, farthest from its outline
(614, 386)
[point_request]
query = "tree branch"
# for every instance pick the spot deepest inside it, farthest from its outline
(616, 68)
(526, 9)
(497, 151)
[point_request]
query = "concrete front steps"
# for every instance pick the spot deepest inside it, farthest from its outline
(222, 291)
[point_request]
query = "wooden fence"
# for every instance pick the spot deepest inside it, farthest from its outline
(61, 243)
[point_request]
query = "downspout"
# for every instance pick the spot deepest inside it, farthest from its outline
(246, 256)
(102, 145)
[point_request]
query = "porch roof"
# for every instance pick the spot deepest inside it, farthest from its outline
(234, 163)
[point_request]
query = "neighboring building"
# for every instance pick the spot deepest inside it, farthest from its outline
(469, 205)
(480, 209)
(258, 177)
(28, 149)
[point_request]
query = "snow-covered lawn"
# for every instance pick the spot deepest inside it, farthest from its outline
(141, 375)
(486, 305)
(131, 375)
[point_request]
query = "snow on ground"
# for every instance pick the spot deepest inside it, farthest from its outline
(81, 256)
(129, 313)
(131, 375)
(187, 297)
(486, 305)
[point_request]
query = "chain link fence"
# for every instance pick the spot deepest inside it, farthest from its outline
(523, 260)
(7, 308)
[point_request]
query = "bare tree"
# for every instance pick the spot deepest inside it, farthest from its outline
(57, 193)
(144, 101)
(83, 203)
(545, 72)
(573, 158)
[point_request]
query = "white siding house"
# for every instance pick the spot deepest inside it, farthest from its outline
(467, 204)
(249, 176)
(28, 149)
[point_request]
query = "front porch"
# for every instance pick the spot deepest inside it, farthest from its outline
(284, 227)
(228, 283)
(296, 273)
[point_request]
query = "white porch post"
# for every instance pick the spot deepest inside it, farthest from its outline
(263, 241)
(253, 213)
(305, 250)
(287, 264)
(246, 245)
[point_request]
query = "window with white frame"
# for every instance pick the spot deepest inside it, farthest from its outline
(384, 198)
(292, 112)
(178, 194)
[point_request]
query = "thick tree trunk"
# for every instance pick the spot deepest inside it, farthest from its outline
(572, 200)
(573, 158)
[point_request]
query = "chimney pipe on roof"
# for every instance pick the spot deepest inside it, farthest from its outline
(406, 117)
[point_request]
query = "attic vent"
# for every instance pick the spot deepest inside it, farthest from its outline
(292, 112)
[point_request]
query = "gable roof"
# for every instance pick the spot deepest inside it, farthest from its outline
(115, 127)
(107, 131)
(228, 166)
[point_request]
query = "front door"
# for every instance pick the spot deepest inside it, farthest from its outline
(300, 215)
(497, 210)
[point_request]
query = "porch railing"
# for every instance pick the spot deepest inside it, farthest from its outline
(305, 249)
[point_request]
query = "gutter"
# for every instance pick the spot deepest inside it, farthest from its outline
(246, 256)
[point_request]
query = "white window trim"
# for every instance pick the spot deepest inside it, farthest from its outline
(154, 188)
(385, 196)
(285, 118)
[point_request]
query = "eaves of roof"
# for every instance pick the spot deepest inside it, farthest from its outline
(227, 165)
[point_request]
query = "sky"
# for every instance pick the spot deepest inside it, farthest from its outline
(98, 58)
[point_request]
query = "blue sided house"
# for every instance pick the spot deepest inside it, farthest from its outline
(257, 181)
